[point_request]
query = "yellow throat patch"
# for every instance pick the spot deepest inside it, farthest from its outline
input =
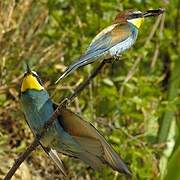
(137, 21)
(30, 82)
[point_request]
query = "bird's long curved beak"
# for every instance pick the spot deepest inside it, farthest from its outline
(154, 12)
(148, 13)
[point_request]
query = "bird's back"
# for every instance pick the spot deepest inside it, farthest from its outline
(36, 107)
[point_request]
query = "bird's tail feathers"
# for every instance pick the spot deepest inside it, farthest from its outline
(84, 60)
(92, 160)
(54, 156)
(113, 159)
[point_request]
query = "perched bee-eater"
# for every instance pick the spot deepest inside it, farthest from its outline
(70, 134)
(114, 39)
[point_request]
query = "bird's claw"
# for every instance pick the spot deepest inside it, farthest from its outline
(117, 56)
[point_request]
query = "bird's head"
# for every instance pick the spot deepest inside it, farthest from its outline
(137, 17)
(31, 81)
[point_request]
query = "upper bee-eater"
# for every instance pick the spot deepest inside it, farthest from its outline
(114, 39)
(70, 134)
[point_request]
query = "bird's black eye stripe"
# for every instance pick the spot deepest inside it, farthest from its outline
(35, 75)
(133, 16)
(25, 74)
(38, 78)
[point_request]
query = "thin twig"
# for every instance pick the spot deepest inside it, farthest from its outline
(51, 120)
(157, 50)
(155, 56)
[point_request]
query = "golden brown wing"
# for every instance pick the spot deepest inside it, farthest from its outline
(91, 140)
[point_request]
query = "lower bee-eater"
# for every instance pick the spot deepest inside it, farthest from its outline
(114, 39)
(70, 134)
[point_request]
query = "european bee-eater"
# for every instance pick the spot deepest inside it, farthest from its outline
(70, 134)
(114, 39)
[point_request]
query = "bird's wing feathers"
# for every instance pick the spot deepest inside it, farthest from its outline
(101, 40)
(120, 33)
(109, 37)
(103, 32)
(92, 152)
(93, 143)
(75, 125)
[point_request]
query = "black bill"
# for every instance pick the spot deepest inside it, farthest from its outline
(154, 12)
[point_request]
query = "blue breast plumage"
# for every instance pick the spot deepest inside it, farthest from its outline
(38, 108)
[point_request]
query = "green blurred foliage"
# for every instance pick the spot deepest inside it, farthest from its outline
(51, 34)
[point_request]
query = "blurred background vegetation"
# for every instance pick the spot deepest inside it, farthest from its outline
(133, 102)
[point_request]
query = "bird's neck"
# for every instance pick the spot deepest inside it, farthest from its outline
(34, 98)
(136, 22)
